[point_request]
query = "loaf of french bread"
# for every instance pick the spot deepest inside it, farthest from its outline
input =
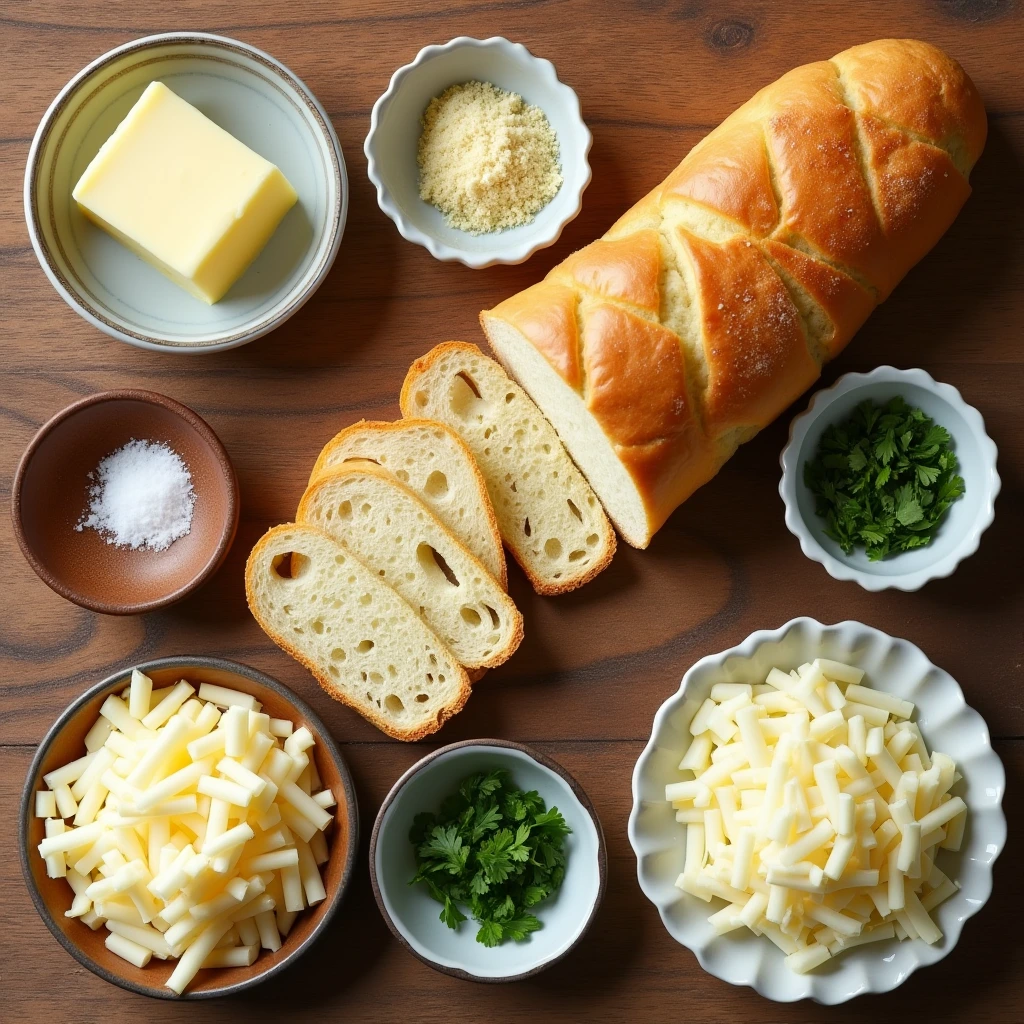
(713, 303)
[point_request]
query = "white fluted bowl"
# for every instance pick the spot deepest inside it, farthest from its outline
(959, 533)
(947, 724)
(395, 127)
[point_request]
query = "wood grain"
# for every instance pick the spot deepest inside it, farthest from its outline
(653, 77)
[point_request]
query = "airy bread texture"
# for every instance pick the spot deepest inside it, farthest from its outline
(366, 647)
(396, 536)
(430, 459)
(712, 304)
(549, 517)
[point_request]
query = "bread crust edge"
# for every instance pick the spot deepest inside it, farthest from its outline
(372, 469)
(540, 586)
(383, 724)
(397, 425)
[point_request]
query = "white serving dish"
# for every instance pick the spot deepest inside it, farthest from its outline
(252, 96)
(395, 129)
(947, 724)
(412, 915)
(959, 533)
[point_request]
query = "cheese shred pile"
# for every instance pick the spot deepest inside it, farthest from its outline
(488, 160)
(816, 813)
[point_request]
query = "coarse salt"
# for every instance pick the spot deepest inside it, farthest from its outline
(141, 496)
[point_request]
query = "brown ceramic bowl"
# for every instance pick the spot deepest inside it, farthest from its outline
(51, 492)
(52, 896)
(412, 915)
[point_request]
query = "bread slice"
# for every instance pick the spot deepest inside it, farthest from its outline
(602, 464)
(432, 460)
(396, 536)
(365, 645)
(548, 515)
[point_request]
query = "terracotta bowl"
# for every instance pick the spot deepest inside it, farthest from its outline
(52, 896)
(50, 494)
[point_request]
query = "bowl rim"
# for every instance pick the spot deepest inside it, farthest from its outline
(544, 69)
(545, 762)
(747, 648)
(247, 672)
(820, 402)
(228, 529)
(153, 342)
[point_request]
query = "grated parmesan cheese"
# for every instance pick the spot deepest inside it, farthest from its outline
(488, 160)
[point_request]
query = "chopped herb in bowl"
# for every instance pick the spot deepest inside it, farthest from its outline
(883, 478)
(494, 850)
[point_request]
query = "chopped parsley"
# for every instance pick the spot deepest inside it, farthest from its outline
(883, 478)
(495, 851)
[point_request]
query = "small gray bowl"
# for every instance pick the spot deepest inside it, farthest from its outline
(959, 532)
(52, 896)
(412, 915)
(260, 102)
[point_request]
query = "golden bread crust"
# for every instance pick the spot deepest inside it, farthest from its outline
(636, 376)
(627, 269)
(760, 256)
(845, 303)
(546, 314)
(733, 178)
(755, 349)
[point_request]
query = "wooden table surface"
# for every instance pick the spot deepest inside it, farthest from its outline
(653, 77)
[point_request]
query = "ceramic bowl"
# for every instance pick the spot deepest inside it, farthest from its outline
(412, 915)
(52, 896)
(959, 532)
(394, 136)
(947, 723)
(51, 492)
(260, 102)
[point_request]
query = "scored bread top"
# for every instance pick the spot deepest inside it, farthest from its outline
(432, 460)
(395, 535)
(709, 307)
(363, 643)
(548, 515)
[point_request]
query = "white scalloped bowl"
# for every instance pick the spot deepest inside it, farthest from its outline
(947, 724)
(959, 533)
(395, 128)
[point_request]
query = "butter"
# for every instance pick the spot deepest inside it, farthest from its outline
(183, 194)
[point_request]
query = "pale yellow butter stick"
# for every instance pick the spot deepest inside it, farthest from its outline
(184, 194)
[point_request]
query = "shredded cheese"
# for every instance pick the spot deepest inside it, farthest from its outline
(197, 835)
(815, 811)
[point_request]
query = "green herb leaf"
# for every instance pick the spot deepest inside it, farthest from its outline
(885, 449)
(445, 846)
(490, 933)
(908, 508)
(486, 821)
(519, 927)
(451, 915)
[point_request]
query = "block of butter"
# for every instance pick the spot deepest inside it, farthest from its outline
(184, 194)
